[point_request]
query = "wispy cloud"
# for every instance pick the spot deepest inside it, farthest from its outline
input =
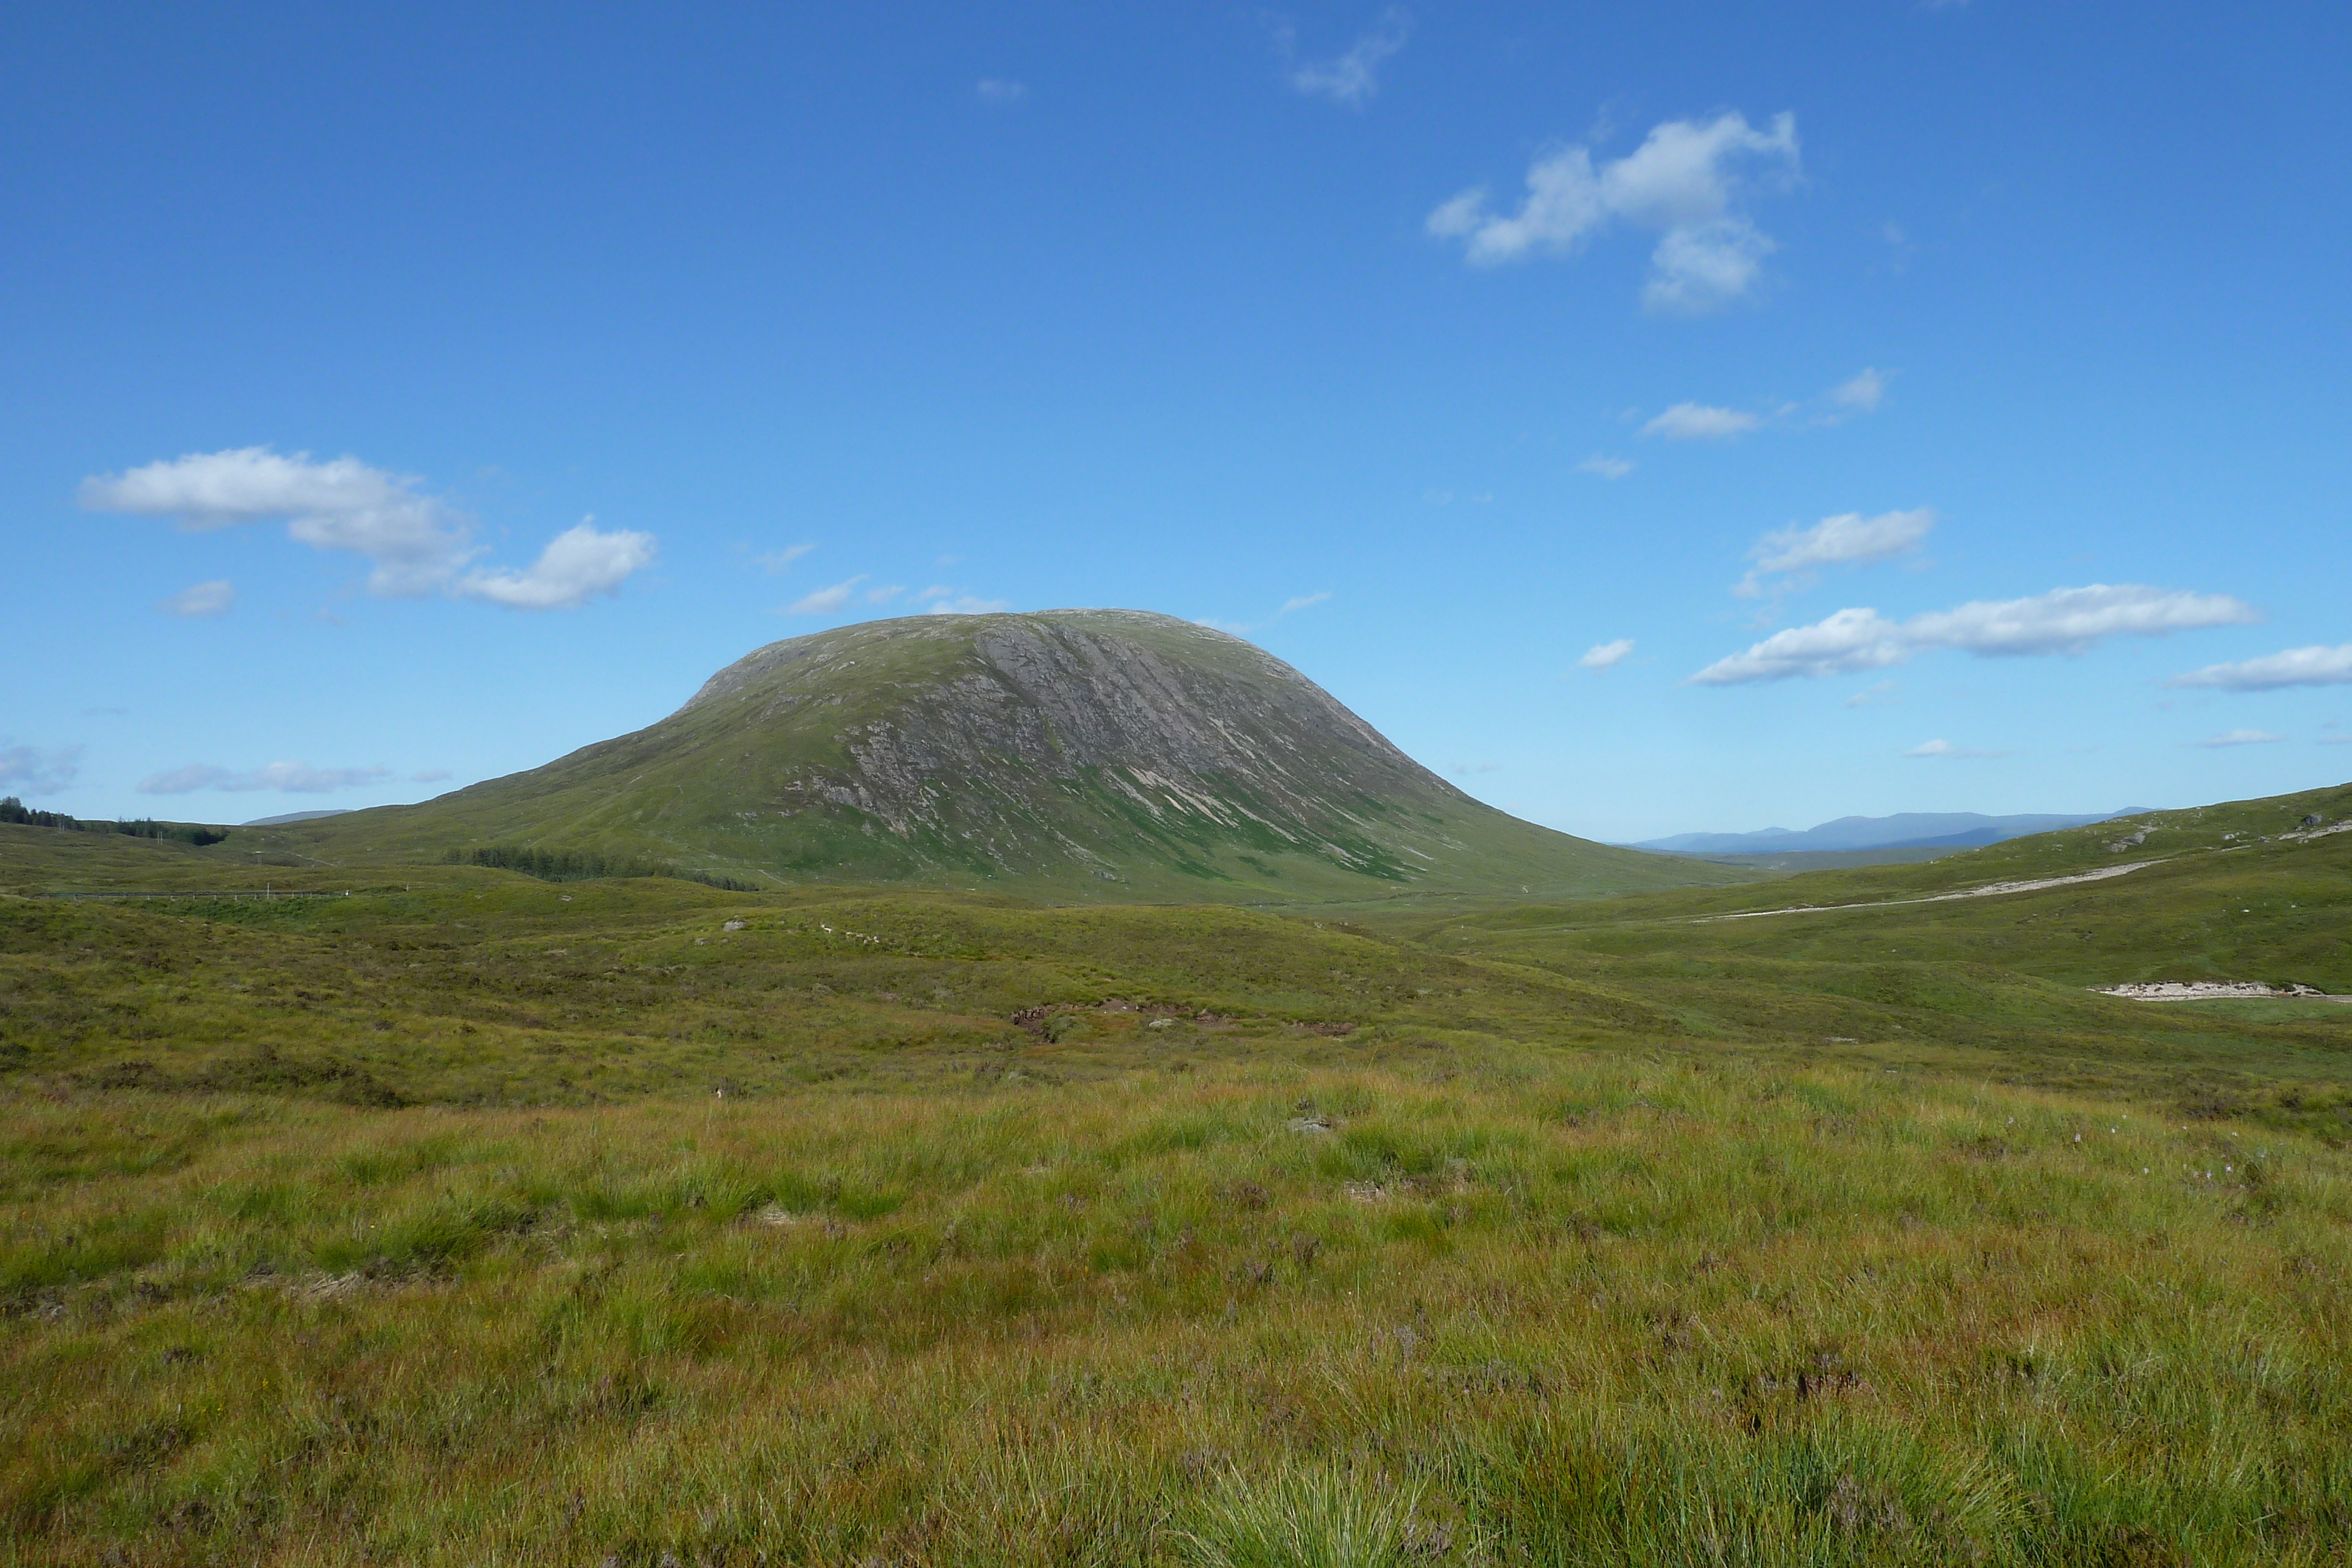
(2313, 666)
(577, 565)
(941, 599)
(1945, 748)
(1607, 468)
(416, 543)
(204, 599)
(1604, 656)
(1872, 695)
(1244, 627)
(999, 92)
(776, 562)
(2063, 621)
(1849, 399)
(290, 778)
(429, 776)
(2242, 737)
(1863, 394)
(825, 600)
(1700, 422)
(1688, 181)
(1352, 79)
(1847, 539)
(38, 772)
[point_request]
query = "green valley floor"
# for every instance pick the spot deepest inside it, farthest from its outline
(455, 1216)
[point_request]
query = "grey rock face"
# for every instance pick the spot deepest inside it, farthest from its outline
(1180, 721)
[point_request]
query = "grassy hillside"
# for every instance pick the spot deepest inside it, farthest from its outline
(1076, 755)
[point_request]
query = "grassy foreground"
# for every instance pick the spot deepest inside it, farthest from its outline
(1499, 1310)
(476, 1220)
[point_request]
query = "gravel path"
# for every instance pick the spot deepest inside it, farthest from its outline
(1987, 891)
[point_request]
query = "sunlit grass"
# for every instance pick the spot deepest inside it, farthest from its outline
(1584, 1310)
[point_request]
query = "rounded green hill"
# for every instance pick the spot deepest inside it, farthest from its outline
(1094, 754)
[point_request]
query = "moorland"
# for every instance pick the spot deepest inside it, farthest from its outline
(442, 1213)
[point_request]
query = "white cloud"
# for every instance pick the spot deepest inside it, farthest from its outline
(38, 772)
(1872, 694)
(2313, 666)
(429, 774)
(1847, 539)
(1605, 655)
(1705, 266)
(776, 562)
(289, 777)
(414, 543)
(948, 600)
(2063, 621)
(2074, 620)
(1858, 395)
(1243, 628)
(577, 565)
(1847, 641)
(1945, 748)
(1863, 394)
(2242, 737)
(1607, 468)
(204, 599)
(884, 594)
(997, 90)
(825, 600)
(1353, 78)
(1686, 182)
(1698, 422)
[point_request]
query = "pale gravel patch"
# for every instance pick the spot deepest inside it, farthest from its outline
(2210, 990)
(1987, 891)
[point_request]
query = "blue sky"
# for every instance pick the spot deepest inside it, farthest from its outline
(1654, 418)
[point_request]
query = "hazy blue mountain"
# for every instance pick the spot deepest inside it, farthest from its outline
(1905, 830)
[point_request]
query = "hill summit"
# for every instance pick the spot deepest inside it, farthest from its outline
(1107, 753)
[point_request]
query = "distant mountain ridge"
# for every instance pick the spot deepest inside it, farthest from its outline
(1905, 830)
(1102, 755)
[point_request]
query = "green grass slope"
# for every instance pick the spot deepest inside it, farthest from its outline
(470, 1217)
(1096, 755)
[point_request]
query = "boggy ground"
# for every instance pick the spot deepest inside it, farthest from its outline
(414, 1227)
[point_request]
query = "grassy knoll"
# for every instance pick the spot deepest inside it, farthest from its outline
(473, 1218)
